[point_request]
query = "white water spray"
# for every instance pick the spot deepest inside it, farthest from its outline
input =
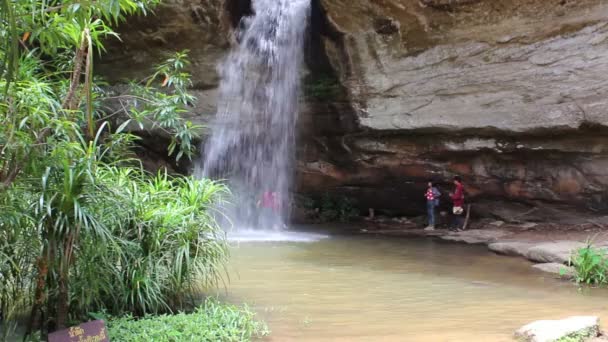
(253, 134)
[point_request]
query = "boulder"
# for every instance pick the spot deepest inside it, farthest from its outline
(557, 252)
(553, 330)
(557, 269)
(510, 248)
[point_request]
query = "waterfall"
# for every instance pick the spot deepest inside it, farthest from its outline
(252, 139)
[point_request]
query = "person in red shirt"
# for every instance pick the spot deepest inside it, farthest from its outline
(458, 204)
(270, 205)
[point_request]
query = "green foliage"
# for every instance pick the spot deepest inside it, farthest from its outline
(82, 227)
(167, 244)
(579, 336)
(136, 243)
(18, 248)
(333, 209)
(210, 322)
(591, 265)
(151, 108)
(322, 88)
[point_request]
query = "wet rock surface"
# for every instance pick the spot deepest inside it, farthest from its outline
(553, 330)
(556, 268)
(553, 252)
(511, 248)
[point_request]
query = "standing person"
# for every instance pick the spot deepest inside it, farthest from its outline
(458, 204)
(432, 200)
(270, 204)
(266, 205)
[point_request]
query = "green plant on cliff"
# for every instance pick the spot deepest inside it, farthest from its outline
(159, 108)
(82, 227)
(591, 265)
(321, 87)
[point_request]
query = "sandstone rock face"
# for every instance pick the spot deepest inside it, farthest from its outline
(512, 95)
(200, 26)
(553, 330)
(481, 65)
(506, 94)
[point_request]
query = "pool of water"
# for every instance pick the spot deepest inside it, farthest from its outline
(365, 288)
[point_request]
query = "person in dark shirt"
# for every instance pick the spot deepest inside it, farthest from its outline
(458, 204)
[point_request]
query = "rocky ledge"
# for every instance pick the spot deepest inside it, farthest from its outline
(547, 246)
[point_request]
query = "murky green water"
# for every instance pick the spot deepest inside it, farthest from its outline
(359, 288)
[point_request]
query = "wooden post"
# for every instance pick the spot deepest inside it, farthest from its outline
(466, 220)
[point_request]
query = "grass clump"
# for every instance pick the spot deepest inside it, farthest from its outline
(591, 265)
(212, 321)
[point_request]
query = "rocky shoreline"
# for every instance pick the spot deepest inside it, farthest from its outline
(548, 246)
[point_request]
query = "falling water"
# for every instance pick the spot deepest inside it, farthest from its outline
(252, 140)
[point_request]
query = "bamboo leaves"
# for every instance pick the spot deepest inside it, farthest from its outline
(81, 228)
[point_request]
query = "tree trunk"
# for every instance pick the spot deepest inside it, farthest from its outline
(69, 101)
(62, 303)
(40, 295)
(63, 298)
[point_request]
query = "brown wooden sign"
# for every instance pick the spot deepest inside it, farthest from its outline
(94, 331)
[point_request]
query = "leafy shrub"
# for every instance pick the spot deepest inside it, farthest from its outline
(336, 209)
(591, 265)
(164, 244)
(212, 321)
(80, 228)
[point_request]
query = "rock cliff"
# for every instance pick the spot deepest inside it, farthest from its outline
(512, 95)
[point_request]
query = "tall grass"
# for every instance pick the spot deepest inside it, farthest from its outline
(166, 243)
(140, 244)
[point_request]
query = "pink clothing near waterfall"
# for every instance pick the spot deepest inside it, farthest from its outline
(270, 200)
